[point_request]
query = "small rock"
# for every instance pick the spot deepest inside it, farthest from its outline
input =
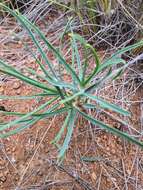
(40, 173)
(18, 91)
(2, 178)
(113, 151)
(16, 85)
(94, 177)
(1, 89)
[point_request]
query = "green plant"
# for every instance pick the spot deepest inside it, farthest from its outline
(2, 13)
(81, 9)
(73, 98)
(91, 14)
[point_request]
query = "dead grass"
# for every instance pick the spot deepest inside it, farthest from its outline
(96, 160)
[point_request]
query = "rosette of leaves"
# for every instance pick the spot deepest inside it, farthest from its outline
(74, 98)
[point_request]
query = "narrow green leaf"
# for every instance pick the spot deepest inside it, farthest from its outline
(3, 97)
(49, 45)
(101, 81)
(100, 110)
(77, 55)
(114, 59)
(15, 122)
(68, 99)
(93, 51)
(66, 29)
(48, 77)
(58, 83)
(78, 37)
(111, 129)
(90, 106)
(19, 129)
(111, 62)
(126, 49)
(70, 129)
(97, 61)
(42, 66)
(105, 104)
(30, 122)
(19, 17)
(59, 135)
(45, 114)
(118, 74)
(4, 68)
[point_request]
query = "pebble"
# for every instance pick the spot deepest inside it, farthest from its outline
(16, 85)
(1, 89)
(2, 178)
(18, 91)
(94, 177)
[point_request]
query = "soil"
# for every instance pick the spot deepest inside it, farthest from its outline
(96, 160)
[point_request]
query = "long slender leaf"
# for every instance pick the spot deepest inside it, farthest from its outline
(19, 17)
(48, 77)
(111, 62)
(105, 104)
(4, 97)
(59, 135)
(32, 121)
(77, 55)
(42, 66)
(70, 129)
(93, 51)
(101, 81)
(100, 110)
(111, 129)
(81, 92)
(26, 23)
(62, 60)
(19, 129)
(15, 122)
(126, 49)
(48, 113)
(114, 59)
(90, 77)
(13, 72)
(59, 83)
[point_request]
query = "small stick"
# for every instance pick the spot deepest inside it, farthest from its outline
(77, 178)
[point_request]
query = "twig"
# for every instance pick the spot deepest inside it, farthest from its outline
(77, 178)
(49, 184)
(137, 58)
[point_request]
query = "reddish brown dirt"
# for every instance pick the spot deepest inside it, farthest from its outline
(27, 160)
